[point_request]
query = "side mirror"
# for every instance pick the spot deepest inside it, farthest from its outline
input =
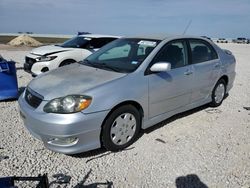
(161, 67)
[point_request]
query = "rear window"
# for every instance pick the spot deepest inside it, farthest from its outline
(202, 51)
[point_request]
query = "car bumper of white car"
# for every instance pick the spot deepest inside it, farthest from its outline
(35, 68)
(63, 133)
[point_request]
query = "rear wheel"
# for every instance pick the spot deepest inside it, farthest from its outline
(121, 128)
(218, 93)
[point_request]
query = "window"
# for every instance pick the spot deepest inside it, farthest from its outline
(76, 42)
(174, 53)
(201, 51)
(108, 40)
(122, 55)
(144, 50)
(86, 42)
(138, 53)
(95, 43)
(116, 52)
(98, 42)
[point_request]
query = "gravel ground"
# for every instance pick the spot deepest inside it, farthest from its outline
(206, 147)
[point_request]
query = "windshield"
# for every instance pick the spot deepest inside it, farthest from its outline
(122, 55)
(76, 42)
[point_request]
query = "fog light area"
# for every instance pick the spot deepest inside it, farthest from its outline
(69, 141)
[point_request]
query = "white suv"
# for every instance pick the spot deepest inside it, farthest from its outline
(50, 57)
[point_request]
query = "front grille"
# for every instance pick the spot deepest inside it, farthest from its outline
(28, 63)
(32, 98)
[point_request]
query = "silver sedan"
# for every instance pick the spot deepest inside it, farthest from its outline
(128, 85)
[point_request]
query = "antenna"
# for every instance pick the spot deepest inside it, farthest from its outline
(189, 23)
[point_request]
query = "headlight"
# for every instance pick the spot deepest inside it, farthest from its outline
(68, 104)
(46, 58)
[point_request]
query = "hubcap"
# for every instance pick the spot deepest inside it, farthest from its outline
(123, 129)
(219, 93)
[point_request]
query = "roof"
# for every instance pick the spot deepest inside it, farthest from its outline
(164, 36)
(99, 36)
(153, 36)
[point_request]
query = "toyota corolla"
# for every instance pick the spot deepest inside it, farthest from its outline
(128, 85)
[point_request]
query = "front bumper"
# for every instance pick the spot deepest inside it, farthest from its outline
(35, 68)
(29, 62)
(48, 127)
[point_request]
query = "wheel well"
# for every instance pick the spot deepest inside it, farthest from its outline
(133, 103)
(225, 78)
(67, 60)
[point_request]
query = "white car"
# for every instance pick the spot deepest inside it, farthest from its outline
(222, 40)
(50, 57)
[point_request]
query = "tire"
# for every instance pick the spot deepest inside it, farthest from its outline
(66, 62)
(119, 132)
(218, 93)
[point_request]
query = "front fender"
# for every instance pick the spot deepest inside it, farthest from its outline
(123, 89)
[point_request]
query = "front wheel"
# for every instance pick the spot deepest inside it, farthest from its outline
(218, 93)
(121, 128)
(66, 62)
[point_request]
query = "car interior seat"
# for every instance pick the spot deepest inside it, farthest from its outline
(174, 56)
(200, 54)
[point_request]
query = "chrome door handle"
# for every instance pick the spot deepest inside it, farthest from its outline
(188, 72)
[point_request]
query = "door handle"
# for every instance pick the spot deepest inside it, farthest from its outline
(188, 72)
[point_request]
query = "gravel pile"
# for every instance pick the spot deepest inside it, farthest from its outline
(203, 147)
(24, 40)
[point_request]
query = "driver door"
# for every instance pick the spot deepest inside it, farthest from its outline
(170, 90)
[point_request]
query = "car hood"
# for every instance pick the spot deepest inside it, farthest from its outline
(49, 50)
(72, 79)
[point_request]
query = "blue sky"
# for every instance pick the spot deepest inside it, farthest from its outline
(214, 18)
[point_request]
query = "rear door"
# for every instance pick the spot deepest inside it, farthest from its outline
(170, 90)
(206, 66)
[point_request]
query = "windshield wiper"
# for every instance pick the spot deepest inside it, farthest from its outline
(106, 66)
(86, 62)
(100, 65)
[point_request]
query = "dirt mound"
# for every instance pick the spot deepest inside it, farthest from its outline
(24, 40)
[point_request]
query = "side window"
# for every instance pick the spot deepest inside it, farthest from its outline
(93, 43)
(97, 43)
(175, 53)
(108, 40)
(117, 52)
(201, 51)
